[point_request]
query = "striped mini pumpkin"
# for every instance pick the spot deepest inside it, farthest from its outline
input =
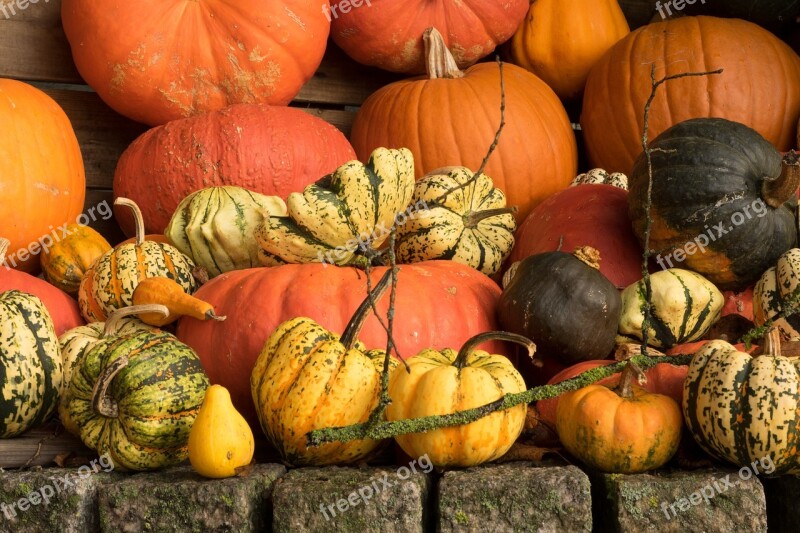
(458, 219)
(215, 227)
(149, 388)
(777, 285)
(109, 283)
(741, 408)
(685, 305)
(30, 363)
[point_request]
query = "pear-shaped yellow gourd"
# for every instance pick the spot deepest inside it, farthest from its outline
(220, 440)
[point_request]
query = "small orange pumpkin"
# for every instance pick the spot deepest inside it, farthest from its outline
(169, 293)
(65, 263)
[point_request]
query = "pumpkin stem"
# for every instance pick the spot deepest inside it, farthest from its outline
(137, 216)
(102, 402)
(111, 325)
(772, 342)
(510, 273)
(440, 63)
(471, 344)
(778, 191)
(350, 334)
(629, 373)
(4, 244)
(589, 255)
(476, 216)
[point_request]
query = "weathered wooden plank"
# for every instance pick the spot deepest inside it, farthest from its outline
(95, 207)
(41, 446)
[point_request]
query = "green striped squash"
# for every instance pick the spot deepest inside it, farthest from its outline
(31, 376)
(342, 217)
(685, 305)
(457, 218)
(135, 398)
(776, 286)
(215, 227)
(741, 408)
(109, 284)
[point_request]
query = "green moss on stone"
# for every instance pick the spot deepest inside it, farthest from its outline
(461, 517)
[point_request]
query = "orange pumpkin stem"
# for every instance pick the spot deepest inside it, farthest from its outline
(4, 244)
(137, 216)
(630, 373)
(439, 62)
(780, 190)
(102, 402)
(589, 255)
(474, 342)
(350, 334)
(112, 322)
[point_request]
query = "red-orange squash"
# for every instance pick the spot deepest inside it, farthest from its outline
(388, 33)
(593, 215)
(759, 87)
(42, 179)
(450, 118)
(159, 60)
(266, 149)
(438, 304)
(663, 379)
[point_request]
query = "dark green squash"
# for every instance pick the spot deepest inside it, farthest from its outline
(722, 200)
(564, 304)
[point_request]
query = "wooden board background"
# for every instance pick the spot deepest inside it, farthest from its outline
(33, 48)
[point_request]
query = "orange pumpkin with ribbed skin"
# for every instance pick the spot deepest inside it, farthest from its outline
(560, 41)
(661, 379)
(451, 117)
(388, 33)
(63, 310)
(265, 149)
(438, 304)
(160, 60)
(759, 87)
(41, 171)
(69, 258)
(624, 431)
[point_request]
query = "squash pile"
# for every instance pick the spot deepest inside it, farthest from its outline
(253, 304)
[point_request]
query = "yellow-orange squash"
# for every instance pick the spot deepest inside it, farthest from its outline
(622, 431)
(446, 381)
(65, 263)
(560, 41)
(220, 440)
(169, 293)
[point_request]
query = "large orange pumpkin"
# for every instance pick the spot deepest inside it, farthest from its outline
(159, 60)
(450, 118)
(560, 41)
(438, 304)
(388, 33)
(267, 149)
(42, 178)
(759, 87)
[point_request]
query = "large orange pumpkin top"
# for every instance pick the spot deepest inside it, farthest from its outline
(759, 87)
(388, 33)
(449, 118)
(158, 60)
(42, 182)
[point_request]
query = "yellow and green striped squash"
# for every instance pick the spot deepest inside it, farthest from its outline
(215, 227)
(306, 379)
(685, 306)
(468, 224)
(148, 407)
(31, 375)
(741, 408)
(337, 219)
(777, 285)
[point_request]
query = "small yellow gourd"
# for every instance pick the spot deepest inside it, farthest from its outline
(167, 292)
(220, 440)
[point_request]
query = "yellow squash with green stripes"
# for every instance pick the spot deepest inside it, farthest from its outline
(742, 408)
(215, 227)
(135, 398)
(777, 285)
(31, 370)
(464, 220)
(685, 306)
(342, 217)
(308, 378)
